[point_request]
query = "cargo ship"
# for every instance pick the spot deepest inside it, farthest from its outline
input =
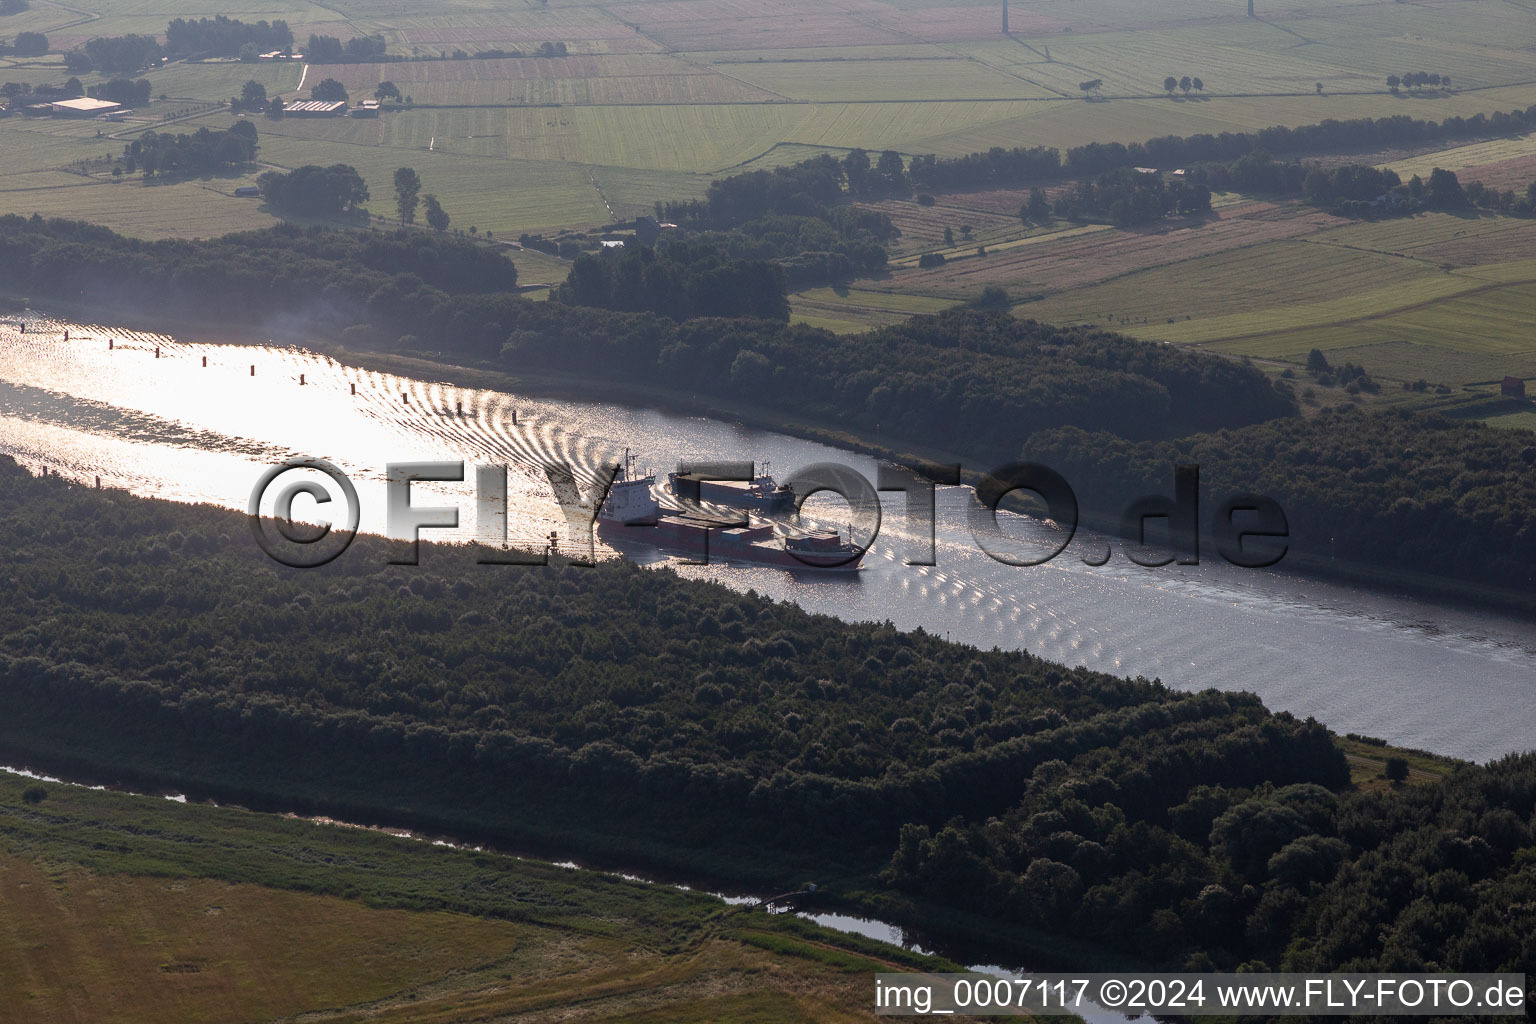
(632, 513)
(762, 494)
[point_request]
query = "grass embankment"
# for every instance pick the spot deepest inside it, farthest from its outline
(1368, 758)
(122, 908)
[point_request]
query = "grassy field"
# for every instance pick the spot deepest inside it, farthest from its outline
(1368, 763)
(851, 310)
(125, 909)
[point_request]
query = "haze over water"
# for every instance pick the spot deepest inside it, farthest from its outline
(1418, 674)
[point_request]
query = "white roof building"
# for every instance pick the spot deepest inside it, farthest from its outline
(84, 106)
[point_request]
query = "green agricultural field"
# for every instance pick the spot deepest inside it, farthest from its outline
(505, 196)
(834, 81)
(850, 311)
(534, 267)
(217, 81)
(201, 209)
(1470, 335)
(1263, 288)
(1524, 419)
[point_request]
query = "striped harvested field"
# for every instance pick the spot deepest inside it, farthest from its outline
(1234, 291)
(1049, 264)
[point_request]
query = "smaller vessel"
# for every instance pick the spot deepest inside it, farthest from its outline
(762, 494)
(632, 513)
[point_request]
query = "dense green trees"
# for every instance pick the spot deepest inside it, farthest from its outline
(220, 36)
(330, 91)
(617, 700)
(243, 277)
(313, 191)
(1130, 198)
(617, 708)
(683, 282)
(30, 44)
(118, 55)
(795, 217)
(331, 50)
(201, 152)
(1410, 491)
(407, 194)
(437, 217)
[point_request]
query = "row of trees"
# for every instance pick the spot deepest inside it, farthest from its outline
(1358, 189)
(331, 50)
(1417, 80)
(1184, 84)
(408, 199)
(1025, 166)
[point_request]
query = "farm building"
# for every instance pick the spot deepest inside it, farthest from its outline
(84, 106)
(247, 191)
(315, 108)
(367, 108)
(1512, 387)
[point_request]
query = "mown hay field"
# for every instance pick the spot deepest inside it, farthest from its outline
(191, 209)
(503, 195)
(625, 78)
(1462, 337)
(861, 81)
(1237, 288)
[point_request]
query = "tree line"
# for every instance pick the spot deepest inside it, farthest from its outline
(221, 36)
(218, 36)
(1024, 166)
